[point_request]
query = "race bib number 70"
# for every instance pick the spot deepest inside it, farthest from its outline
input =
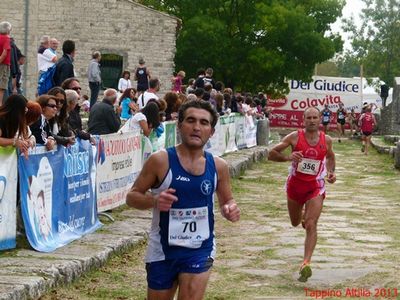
(188, 227)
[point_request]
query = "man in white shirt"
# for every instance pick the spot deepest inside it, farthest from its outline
(48, 57)
(154, 87)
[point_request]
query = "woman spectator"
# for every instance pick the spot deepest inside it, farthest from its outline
(220, 107)
(171, 112)
(32, 115)
(41, 129)
(145, 120)
(59, 124)
(124, 82)
(177, 82)
(13, 128)
(128, 103)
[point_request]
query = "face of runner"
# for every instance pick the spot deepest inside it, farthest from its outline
(196, 127)
(312, 119)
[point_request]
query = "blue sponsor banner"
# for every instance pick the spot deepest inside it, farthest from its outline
(8, 197)
(58, 197)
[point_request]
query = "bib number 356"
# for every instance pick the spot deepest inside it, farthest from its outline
(308, 166)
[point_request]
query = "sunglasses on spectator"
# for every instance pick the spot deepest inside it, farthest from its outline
(52, 105)
(77, 88)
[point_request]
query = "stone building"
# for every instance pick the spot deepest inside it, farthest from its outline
(122, 30)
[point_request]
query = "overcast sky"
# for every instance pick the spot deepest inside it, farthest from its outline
(352, 7)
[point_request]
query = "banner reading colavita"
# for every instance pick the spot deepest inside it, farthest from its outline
(288, 111)
(118, 164)
(8, 197)
(57, 196)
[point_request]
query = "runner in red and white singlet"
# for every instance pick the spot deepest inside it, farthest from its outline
(312, 160)
(367, 123)
(306, 178)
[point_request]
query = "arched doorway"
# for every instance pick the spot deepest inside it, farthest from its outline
(111, 69)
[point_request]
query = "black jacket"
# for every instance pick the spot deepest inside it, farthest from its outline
(64, 70)
(103, 119)
(75, 122)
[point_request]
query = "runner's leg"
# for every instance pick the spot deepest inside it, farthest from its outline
(193, 286)
(295, 211)
(162, 294)
(312, 213)
(367, 143)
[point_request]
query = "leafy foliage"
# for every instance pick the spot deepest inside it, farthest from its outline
(376, 44)
(254, 44)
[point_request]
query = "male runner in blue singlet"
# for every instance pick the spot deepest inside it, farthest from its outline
(183, 180)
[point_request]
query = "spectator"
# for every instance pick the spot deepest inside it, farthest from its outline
(208, 78)
(59, 124)
(94, 77)
(177, 82)
(65, 67)
(13, 128)
(190, 88)
(72, 83)
(73, 117)
(5, 58)
(142, 76)
(32, 115)
(124, 82)
(199, 92)
(145, 120)
(21, 62)
(199, 83)
(173, 103)
(47, 55)
(154, 87)
(44, 44)
(128, 103)
(42, 129)
(102, 118)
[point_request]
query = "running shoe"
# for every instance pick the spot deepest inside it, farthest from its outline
(305, 272)
(339, 141)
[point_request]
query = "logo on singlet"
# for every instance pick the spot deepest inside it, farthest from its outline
(182, 178)
(206, 187)
(311, 153)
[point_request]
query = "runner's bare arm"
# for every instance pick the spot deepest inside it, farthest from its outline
(330, 160)
(151, 174)
(228, 206)
(275, 154)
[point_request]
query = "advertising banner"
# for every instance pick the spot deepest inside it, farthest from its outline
(240, 135)
(8, 197)
(57, 195)
(118, 164)
(321, 91)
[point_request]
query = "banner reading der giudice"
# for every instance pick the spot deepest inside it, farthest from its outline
(321, 91)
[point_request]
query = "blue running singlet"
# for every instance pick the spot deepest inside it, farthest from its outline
(187, 229)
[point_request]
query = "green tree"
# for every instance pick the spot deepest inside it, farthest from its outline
(376, 44)
(254, 44)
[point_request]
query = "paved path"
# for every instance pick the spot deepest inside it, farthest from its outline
(27, 274)
(358, 249)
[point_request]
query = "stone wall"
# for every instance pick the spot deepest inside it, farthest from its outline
(390, 115)
(114, 26)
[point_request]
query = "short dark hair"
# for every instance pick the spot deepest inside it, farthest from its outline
(68, 47)
(199, 92)
(65, 84)
(153, 83)
(200, 104)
